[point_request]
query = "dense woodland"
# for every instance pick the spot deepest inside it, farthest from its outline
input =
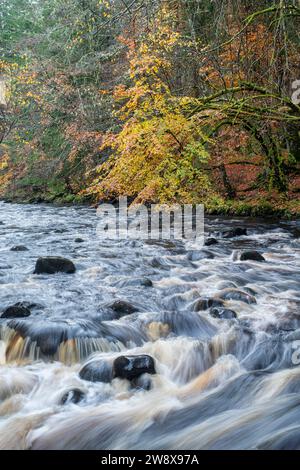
(179, 100)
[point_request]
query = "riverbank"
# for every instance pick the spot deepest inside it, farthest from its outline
(264, 206)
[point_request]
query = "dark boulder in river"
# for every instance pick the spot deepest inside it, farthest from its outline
(222, 313)
(131, 367)
(210, 241)
(18, 310)
(122, 307)
(251, 256)
(19, 248)
(235, 232)
(236, 294)
(54, 264)
(97, 371)
(206, 303)
(295, 232)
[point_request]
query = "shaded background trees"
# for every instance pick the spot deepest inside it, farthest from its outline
(184, 100)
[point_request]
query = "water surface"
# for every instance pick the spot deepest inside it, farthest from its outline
(220, 384)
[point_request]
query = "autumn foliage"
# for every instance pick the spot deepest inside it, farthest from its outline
(161, 101)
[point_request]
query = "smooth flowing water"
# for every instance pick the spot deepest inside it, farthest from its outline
(219, 383)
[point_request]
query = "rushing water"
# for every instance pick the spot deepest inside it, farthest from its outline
(220, 384)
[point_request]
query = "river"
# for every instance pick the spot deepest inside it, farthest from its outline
(220, 383)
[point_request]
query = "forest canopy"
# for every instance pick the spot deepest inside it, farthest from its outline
(163, 101)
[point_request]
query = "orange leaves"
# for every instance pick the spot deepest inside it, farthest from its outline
(244, 55)
(120, 93)
(104, 92)
(155, 155)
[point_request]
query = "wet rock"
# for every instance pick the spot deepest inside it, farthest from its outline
(97, 371)
(50, 339)
(79, 240)
(18, 310)
(236, 294)
(196, 255)
(183, 324)
(122, 307)
(249, 291)
(159, 263)
(169, 245)
(135, 282)
(296, 232)
(60, 230)
(251, 256)
(225, 285)
(223, 313)
(206, 303)
(19, 248)
(131, 367)
(146, 282)
(54, 264)
(211, 241)
(235, 232)
(143, 382)
(72, 396)
(30, 305)
(47, 335)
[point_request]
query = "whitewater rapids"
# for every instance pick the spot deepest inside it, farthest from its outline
(220, 384)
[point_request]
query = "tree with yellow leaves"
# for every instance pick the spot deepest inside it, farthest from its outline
(158, 153)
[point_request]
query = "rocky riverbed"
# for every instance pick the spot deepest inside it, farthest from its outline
(128, 344)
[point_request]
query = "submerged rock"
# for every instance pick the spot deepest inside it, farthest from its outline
(251, 256)
(19, 248)
(143, 382)
(295, 232)
(196, 255)
(211, 241)
(48, 335)
(206, 303)
(122, 307)
(236, 294)
(223, 313)
(235, 232)
(54, 264)
(97, 371)
(18, 310)
(72, 396)
(168, 244)
(131, 367)
(146, 282)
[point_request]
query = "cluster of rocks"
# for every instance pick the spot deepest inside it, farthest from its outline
(130, 368)
(56, 264)
(250, 255)
(136, 369)
(216, 305)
